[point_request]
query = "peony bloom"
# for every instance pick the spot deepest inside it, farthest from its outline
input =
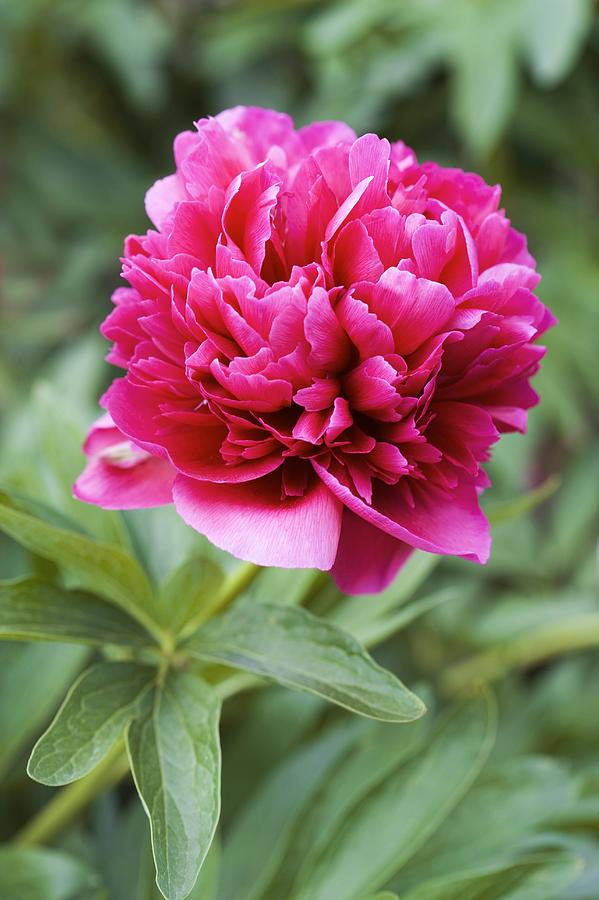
(321, 338)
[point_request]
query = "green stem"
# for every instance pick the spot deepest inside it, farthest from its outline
(580, 633)
(234, 585)
(68, 803)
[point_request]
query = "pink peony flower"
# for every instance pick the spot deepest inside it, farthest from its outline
(322, 339)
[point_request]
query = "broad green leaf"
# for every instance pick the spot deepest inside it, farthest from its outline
(40, 874)
(94, 714)
(485, 74)
(24, 707)
(175, 759)
(400, 814)
(379, 750)
(103, 568)
(553, 32)
(514, 800)
(261, 834)
(537, 878)
(35, 610)
(189, 591)
(298, 649)
(385, 895)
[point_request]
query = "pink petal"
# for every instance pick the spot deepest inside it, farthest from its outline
(162, 197)
(119, 475)
(425, 517)
(252, 522)
(367, 559)
(414, 308)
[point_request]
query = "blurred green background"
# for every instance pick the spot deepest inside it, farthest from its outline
(91, 96)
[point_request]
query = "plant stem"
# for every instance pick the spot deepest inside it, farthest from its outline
(231, 588)
(580, 633)
(68, 803)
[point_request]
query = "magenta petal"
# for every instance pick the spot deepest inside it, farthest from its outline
(367, 558)
(424, 516)
(252, 522)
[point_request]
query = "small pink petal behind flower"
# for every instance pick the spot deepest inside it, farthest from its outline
(321, 341)
(120, 475)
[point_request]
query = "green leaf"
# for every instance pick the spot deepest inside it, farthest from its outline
(40, 874)
(399, 815)
(175, 759)
(513, 800)
(94, 714)
(553, 33)
(385, 895)
(537, 878)
(189, 591)
(35, 610)
(103, 568)
(24, 708)
(485, 74)
(261, 834)
(380, 751)
(298, 649)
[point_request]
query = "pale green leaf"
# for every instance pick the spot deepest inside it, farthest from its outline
(24, 708)
(35, 610)
(40, 874)
(553, 33)
(93, 716)
(190, 591)
(175, 759)
(103, 568)
(400, 815)
(537, 878)
(261, 834)
(298, 649)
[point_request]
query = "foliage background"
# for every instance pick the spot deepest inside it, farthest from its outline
(91, 95)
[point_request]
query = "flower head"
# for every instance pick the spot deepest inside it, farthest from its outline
(322, 339)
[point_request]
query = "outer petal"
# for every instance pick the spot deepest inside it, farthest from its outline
(424, 516)
(367, 558)
(252, 522)
(120, 475)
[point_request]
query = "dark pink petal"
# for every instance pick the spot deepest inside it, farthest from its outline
(252, 522)
(423, 515)
(247, 216)
(413, 308)
(367, 559)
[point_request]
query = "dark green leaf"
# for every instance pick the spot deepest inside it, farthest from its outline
(35, 610)
(94, 714)
(298, 649)
(175, 759)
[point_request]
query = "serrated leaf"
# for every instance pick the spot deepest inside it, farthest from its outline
(298, 649)
(40, 874)
(189, 591)
(103, 568)
(398, 817)
(35, 610)
(537, 878)
(175, 759)
(93, 716)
